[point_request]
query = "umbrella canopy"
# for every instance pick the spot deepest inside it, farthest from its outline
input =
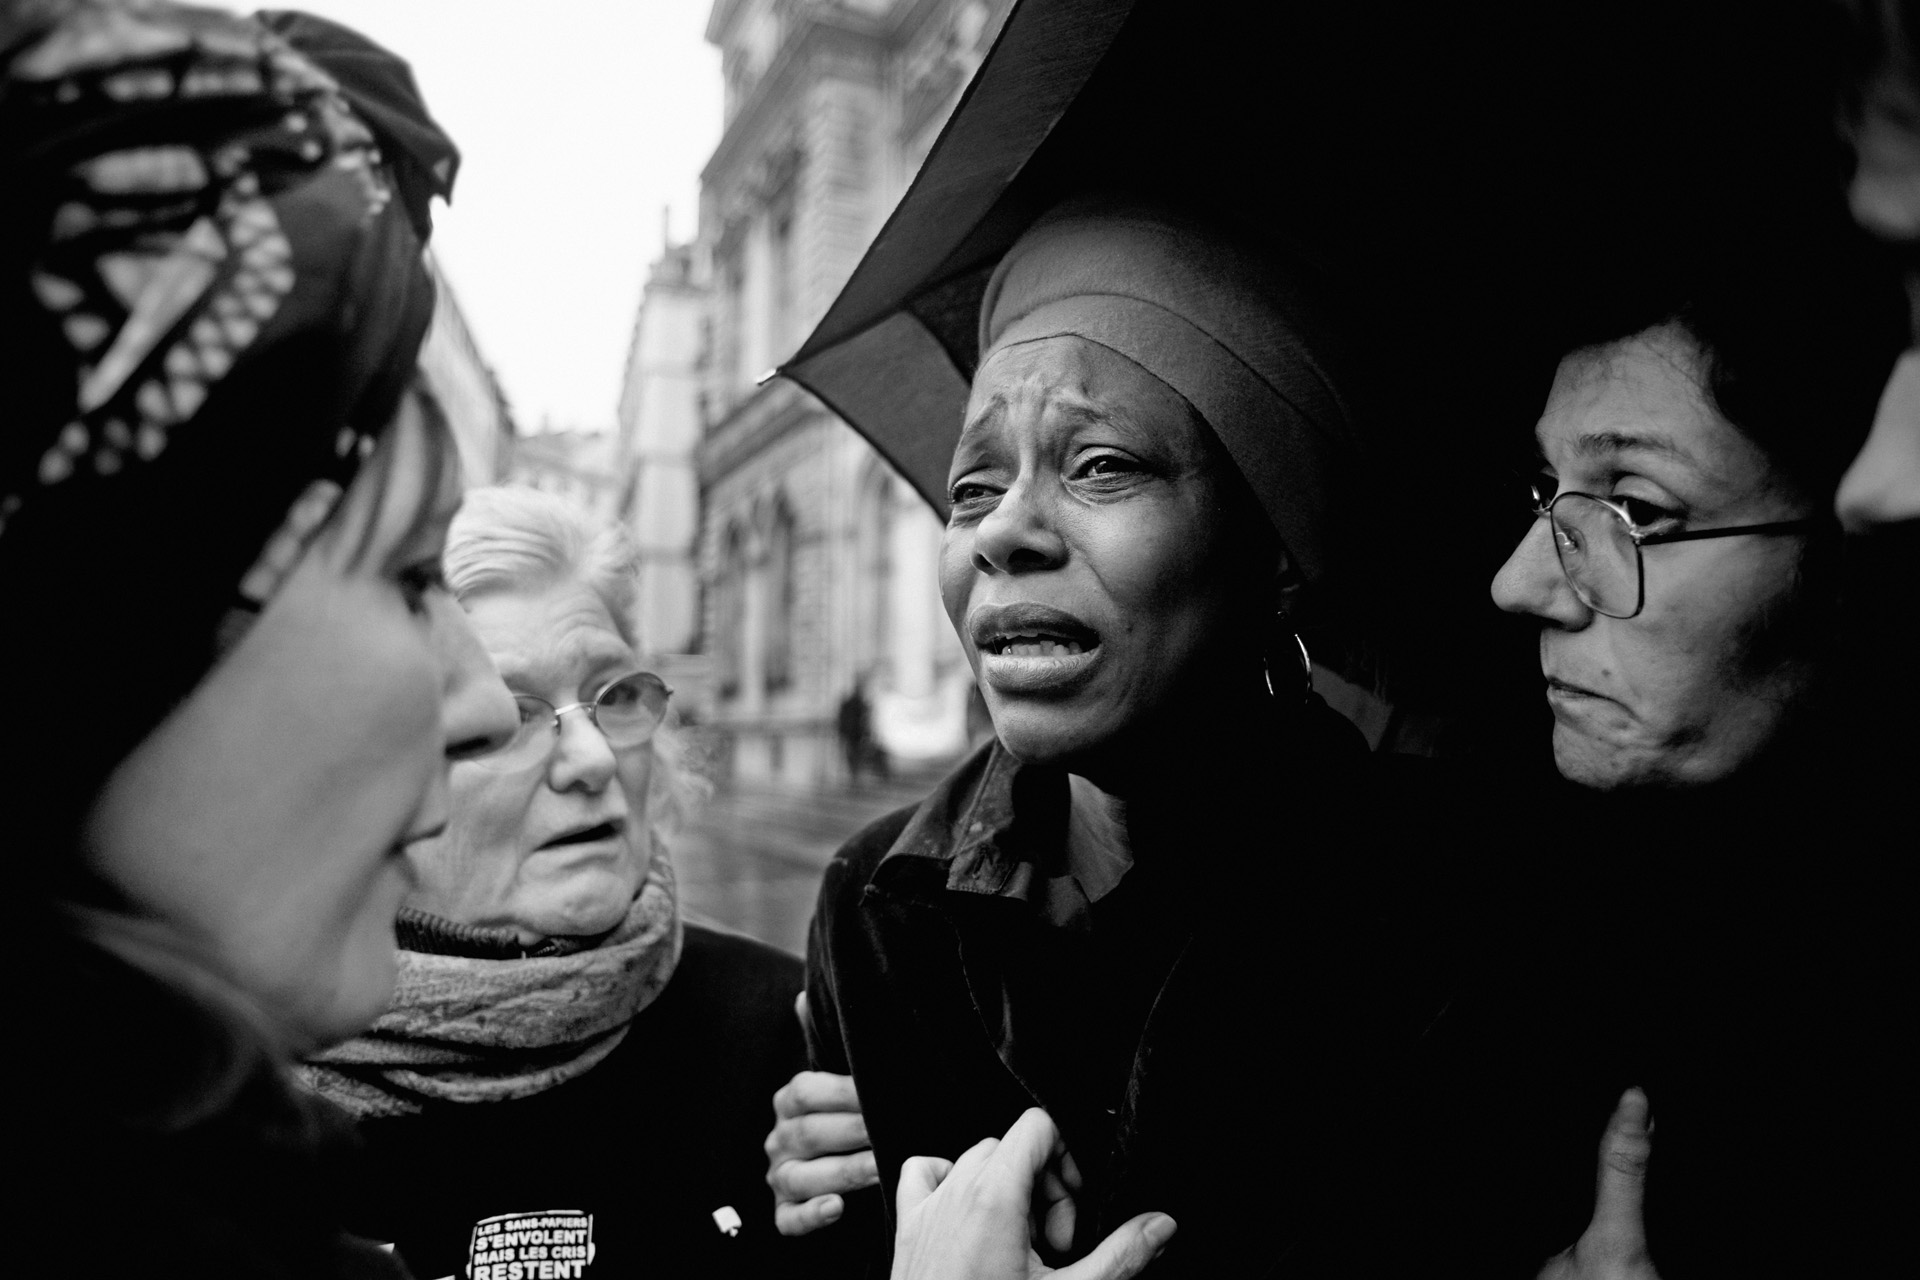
(894, 353)
(1456, 168)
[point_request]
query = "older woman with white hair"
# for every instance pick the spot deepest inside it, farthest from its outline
(570, 1074)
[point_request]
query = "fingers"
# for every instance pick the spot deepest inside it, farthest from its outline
(1126, 1252)
(800, 1008)
(1059, 1215)
(822, 1133)
(920, 1177)
(796, 1180)
(1031, 1144)
(1614, 1245)
(808, 1217)
(1618, 1231)
(812, 1091)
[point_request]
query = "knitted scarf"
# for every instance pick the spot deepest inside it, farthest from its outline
(467, 1029)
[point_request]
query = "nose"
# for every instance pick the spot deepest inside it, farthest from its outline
(476, 710)
(1883, 484)
(1532, 582)
(1019, 535)
(582, 760)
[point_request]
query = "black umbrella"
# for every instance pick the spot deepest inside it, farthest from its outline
(1457, 166)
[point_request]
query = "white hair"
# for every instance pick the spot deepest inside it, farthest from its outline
(511, 538)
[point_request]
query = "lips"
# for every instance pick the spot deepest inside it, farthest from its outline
(1032, 648)
(610, 829)
(1017, 628)
(1567, 689)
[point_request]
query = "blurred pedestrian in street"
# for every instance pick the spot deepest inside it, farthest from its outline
(213, 301)
(560, 1036)
(853, 723)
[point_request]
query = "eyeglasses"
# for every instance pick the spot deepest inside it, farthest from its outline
(1599, 547)
(626, 711)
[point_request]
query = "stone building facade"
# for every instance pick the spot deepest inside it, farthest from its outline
(817, 565)
(659, 432)
(463, 382)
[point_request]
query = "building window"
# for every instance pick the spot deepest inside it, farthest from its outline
(782, 551)
(780, 264)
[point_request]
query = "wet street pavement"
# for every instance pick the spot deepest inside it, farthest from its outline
(752, 860)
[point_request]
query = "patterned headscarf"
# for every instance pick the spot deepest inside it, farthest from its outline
(213, 297)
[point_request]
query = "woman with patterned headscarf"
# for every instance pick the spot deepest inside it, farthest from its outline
(237, 676)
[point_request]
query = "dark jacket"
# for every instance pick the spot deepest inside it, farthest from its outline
(652, 1143)
(151, 1133)
(1214, 1049)
(1745, 955)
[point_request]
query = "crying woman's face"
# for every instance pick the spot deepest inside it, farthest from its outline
(1092, 564)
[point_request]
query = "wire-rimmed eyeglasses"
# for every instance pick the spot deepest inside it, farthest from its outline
(626, 711)
(1599, 546)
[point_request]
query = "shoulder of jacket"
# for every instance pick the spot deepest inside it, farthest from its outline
(710, 945)
(855, 860)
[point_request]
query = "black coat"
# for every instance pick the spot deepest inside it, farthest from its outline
(1220, 1056)
(152, 1133)
(1745, 955)
(651, 1142)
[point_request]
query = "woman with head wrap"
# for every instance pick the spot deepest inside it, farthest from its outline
(222, 499)
(569, 1072)
(1126, 910)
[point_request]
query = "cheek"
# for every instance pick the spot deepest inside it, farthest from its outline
(956, 575)
(487, 815)
(1167, 577)
(636, 779)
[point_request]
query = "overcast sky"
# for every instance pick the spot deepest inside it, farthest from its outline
(577, 121)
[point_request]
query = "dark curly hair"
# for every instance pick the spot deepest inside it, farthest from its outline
(1796, 339)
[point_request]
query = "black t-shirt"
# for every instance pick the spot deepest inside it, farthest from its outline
(651, 1164)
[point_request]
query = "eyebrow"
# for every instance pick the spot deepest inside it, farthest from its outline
(1597, 444)
(597, 661)
(1079, 409)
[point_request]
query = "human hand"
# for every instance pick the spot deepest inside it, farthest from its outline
(818, 1149)
(975, 1218)
(1614, 1245)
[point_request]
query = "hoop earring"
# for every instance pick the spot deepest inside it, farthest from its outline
(1306, 662)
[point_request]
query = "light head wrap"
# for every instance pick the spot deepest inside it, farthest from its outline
(1223, 321)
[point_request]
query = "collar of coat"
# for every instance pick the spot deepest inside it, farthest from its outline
(994, 828)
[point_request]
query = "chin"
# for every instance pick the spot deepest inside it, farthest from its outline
(362, 992)
(588, 905)
(1046, 735)
(1612, 766)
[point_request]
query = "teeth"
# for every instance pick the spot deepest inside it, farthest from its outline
(1038, 647)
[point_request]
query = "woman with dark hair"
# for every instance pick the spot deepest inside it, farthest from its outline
(1700, 926)
(222, 502)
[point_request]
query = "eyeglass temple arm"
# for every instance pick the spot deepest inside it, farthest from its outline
(1697, 535)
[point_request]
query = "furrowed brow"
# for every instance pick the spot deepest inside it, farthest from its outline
(1597, 444)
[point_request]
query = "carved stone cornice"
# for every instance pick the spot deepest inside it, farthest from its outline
(772, 412)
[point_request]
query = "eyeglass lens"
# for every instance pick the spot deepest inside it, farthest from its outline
(1597, 553)
(626, 712)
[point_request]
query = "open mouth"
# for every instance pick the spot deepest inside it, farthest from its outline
(1035, 646)
(1033, 649)
(588, 835)
(1030, 631)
